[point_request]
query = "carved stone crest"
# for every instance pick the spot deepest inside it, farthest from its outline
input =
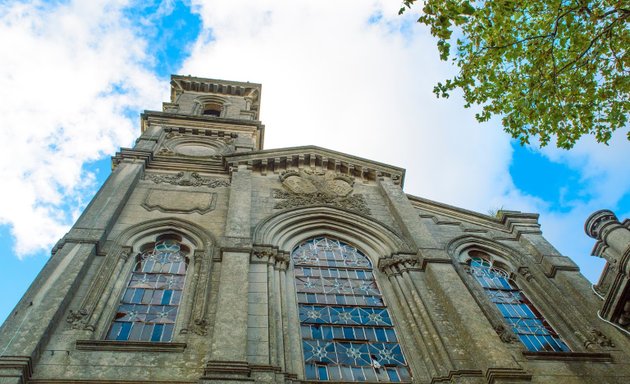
(311, 187)
(192, 179)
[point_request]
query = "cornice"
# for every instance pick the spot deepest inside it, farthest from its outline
(195, 121)
(278, 160)
(512, 222)
(181, 83)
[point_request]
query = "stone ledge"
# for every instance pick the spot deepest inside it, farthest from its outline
(569, 356)
(102, 381)
(129, 346)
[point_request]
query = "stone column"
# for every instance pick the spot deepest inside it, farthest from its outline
(228, 355)
(613, 244)
(483, 344)
(406, 215)
(604, 226)
(26, 331)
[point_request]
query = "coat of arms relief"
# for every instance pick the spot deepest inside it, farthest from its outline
(312, 187)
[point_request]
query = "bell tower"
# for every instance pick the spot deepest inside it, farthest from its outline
(206, 259)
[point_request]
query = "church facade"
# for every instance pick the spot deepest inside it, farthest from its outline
(205, 258)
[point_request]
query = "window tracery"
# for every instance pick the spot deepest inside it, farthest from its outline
(347, 332)
(518, 312)
(150, 303)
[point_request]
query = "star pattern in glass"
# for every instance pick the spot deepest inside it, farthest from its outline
(148, 308)
(347, 332)
(519, 313)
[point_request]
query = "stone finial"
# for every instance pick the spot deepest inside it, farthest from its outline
(595, 222)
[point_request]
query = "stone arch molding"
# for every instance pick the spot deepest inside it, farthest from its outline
(95, 311)
(197, 235)
(507, 256)
(287, 229)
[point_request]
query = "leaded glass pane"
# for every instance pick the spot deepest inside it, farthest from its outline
(520, 314)
(148, 308)
(347, 332)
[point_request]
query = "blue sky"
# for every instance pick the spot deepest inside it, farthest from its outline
(355, 78)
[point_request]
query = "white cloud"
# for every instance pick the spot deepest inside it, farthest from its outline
(331, 78)
(68, 74)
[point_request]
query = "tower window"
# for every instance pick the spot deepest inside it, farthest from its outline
(518, 312)
(212, 112)
(347, 332)
(148, 308)
(212, 109)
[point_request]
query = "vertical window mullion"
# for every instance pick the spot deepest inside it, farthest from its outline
(352, 318)
(520, 314)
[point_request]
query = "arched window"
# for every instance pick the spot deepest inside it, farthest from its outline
(148, 308)
(347, 332)
(519, 313)
(212, 109)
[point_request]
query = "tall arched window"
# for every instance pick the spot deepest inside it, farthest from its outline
(519, 313)
(148, 308)
(347, 332)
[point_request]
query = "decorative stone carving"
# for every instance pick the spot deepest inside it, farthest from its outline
(624, 318)
(399, 262)
(311, 181)
(526, 273)
(199, 327)
(82, 318)
(310, 187)
(353, 203)
(595, 338)
(505, 335)
(192, 179)
(172, 134)
(199, 322)
(179, 201)
(77, 319)
(166, 152)
(272, 256)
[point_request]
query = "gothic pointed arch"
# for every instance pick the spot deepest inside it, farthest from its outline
(361, 348)
(508, 256)
(489, 268)
(286, 229)
(201, 238)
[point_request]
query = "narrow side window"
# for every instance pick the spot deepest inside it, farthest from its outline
(149, 305)
(518, 312)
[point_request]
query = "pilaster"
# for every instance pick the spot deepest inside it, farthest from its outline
(481, 342)
(228, 355)
(405, 214)
(27, 331)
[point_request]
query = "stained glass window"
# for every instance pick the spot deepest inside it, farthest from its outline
(150, 303)
(347, 332)
(519, 313)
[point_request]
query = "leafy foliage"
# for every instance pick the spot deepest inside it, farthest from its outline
(548, 67)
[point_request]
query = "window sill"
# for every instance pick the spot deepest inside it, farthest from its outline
(568, 356)
(129, 346)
